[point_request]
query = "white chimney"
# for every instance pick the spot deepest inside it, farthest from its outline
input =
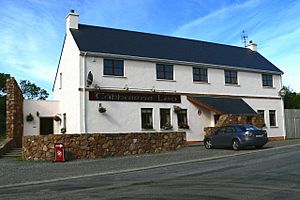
(252, 46)
(72, 20)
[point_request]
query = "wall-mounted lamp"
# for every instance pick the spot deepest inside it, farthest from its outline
(282, 92)
(90, 78)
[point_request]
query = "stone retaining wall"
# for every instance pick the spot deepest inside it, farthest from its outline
(78, 146)
(14, 112)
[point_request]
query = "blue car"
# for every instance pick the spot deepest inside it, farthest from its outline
(237, 137)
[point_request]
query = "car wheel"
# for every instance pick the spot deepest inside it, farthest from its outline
(236, 145)
(208, 144)
(258, 146)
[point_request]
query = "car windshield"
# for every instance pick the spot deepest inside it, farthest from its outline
(249, 128)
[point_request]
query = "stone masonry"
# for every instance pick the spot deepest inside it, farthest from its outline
(79, 146)
(229, 119)
(14, 112)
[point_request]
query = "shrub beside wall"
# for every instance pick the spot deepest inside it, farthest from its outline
(77, 146)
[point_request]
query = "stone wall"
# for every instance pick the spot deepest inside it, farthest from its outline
(14, 112)
(229, 119)
(226, 120)
(78, 146)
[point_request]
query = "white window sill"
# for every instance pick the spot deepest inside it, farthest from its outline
(274, 127)
(201, 82)
(231, 84)
(112, 76)
(167, 80)
(268, 87)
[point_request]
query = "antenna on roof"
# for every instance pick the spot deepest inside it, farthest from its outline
(244, 37)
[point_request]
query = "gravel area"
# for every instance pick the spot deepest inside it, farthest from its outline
(16, 171)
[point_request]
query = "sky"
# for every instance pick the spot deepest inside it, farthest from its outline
(32, 31)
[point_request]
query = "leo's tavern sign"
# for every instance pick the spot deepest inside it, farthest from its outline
(134, 96)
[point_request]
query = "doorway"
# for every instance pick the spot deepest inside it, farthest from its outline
(46, 125)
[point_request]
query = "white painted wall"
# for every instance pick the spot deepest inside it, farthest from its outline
(266, 105)
(45, 109)
(68, 95)
(126, 117)
(136, 72)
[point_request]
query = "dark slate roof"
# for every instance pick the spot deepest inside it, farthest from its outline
(123, 42)
(223, 105)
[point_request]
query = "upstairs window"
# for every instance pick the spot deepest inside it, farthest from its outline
(230, 77)
(267, 80)
(113, 67)
(200, 74)
(164, 71)
(147, 121)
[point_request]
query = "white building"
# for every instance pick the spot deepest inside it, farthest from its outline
(148, 82)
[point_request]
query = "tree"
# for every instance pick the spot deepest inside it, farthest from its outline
(291, 99)
(3, 78)
(32, 91)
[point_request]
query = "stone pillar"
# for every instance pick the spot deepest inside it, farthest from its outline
(14, 112)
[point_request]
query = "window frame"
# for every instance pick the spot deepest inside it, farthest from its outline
(161, 69)
(267, 81)
(114, 67)
(143, 125)
(200, 74)
(275, 118)
(161, 118)
(231, 76)
(184, 124)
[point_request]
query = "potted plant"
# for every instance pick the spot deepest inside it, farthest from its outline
(102, 109)
(176, 109)
(148, 126)
(29, 117)
(63, 130)
(183, 125)
(56, 118)
(167, 126)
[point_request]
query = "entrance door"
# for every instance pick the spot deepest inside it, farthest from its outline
(46, 125)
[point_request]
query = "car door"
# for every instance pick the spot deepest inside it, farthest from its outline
(217, 138)
(228, 135)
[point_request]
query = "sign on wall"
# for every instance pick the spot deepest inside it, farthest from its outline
(134, 97)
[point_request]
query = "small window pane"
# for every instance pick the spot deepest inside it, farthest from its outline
(165, 117)
(113, 67)
(182, 118)
(230, 76)
(272, 116)
(164, 71)
(147, 121)
(267, 80)
(200, 74)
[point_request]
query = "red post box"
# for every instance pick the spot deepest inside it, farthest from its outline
(59, 153)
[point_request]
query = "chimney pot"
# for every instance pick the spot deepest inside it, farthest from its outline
(252, 46)
(72, 20)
